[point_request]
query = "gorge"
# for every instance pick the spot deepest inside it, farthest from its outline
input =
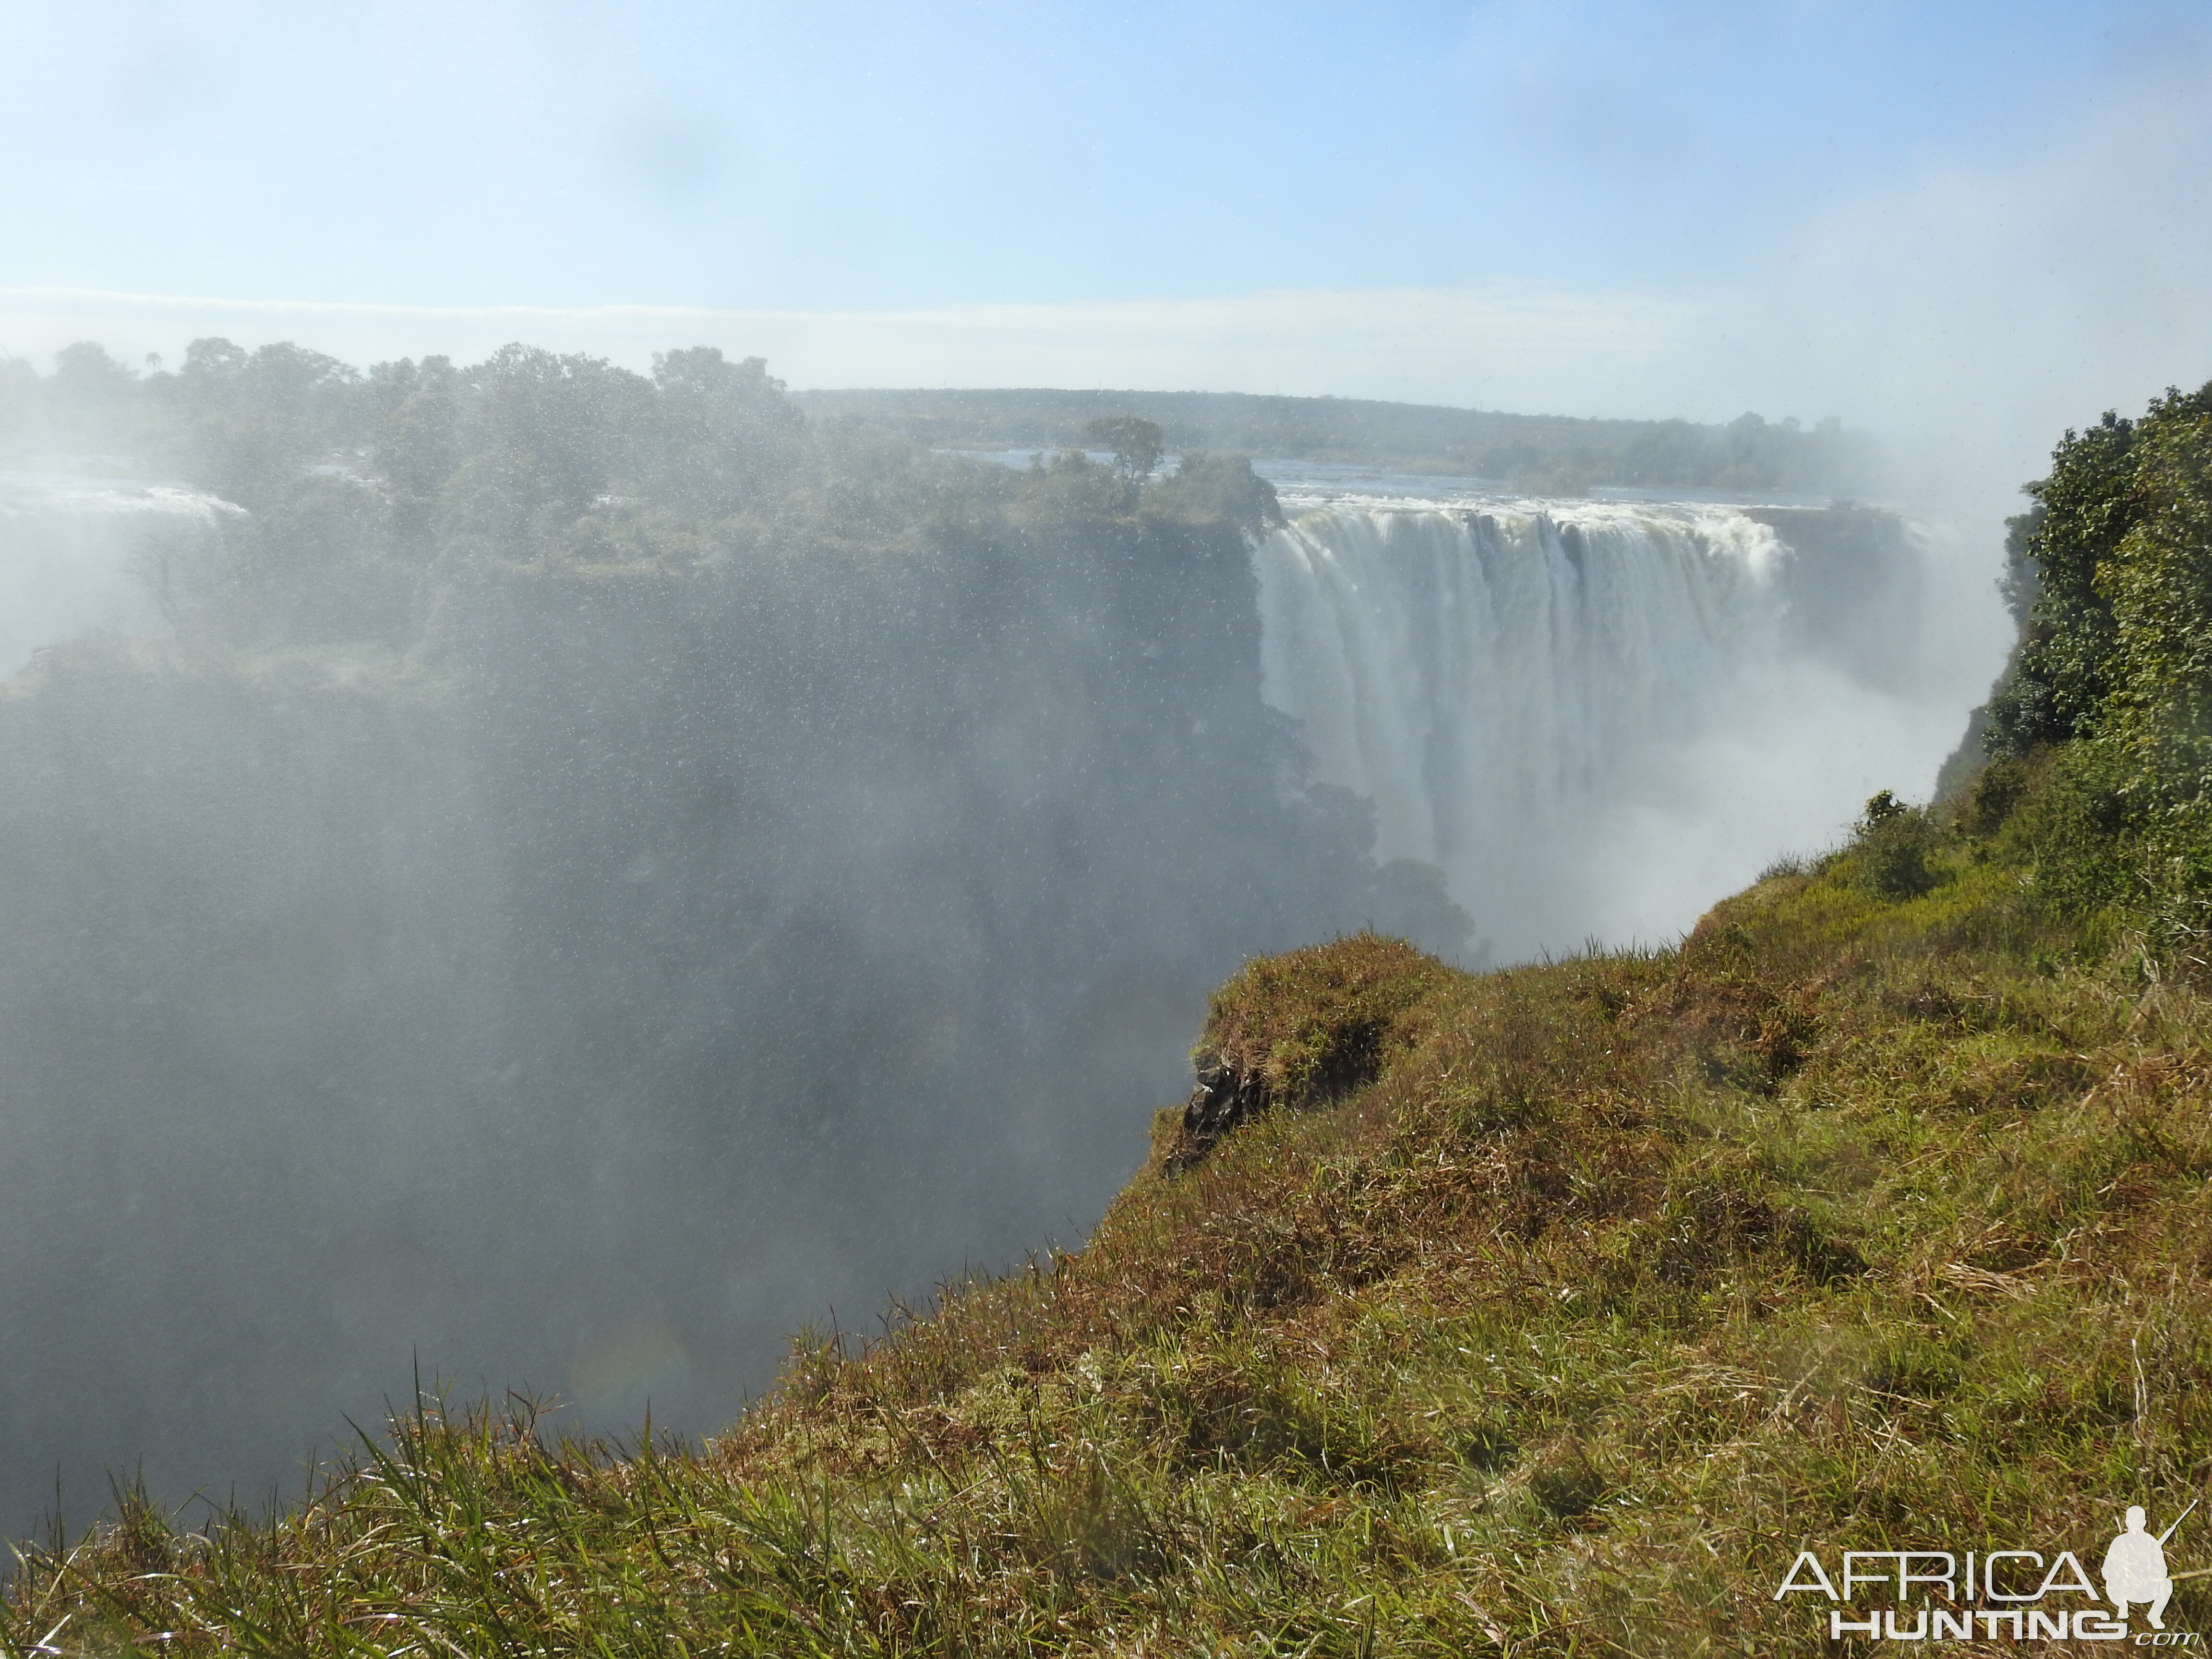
(545, 910)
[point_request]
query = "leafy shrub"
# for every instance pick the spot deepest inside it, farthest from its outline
(1892, 845)
(1996, 790)
(2071, 832)
(1207, 488)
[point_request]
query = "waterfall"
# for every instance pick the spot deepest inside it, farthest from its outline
(1597, 718)
(73, 552)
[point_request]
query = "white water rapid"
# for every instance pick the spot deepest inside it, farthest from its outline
(1597, 718)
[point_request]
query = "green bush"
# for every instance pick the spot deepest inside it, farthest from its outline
(1892, 845)
(1995, 791)
(2071, 834)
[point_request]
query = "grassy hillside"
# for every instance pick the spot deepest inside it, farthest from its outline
(1547, 1311)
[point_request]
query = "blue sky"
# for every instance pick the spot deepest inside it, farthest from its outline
(1966, 224)
(876, 156)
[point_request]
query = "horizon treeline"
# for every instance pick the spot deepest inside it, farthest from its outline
(92, 404)
(1544, 454)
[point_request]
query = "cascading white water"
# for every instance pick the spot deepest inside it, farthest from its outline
(72, 551)
(1596, 718)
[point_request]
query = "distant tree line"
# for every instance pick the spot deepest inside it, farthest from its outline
(1554, 455)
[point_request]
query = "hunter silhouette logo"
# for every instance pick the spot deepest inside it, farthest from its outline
(2135, 1567)
(2011, 1595)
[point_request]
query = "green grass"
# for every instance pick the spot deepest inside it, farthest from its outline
(1541, 1312)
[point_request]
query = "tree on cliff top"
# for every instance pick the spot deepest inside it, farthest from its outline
(1138, 444)
(2112, 679)
(2114, 565)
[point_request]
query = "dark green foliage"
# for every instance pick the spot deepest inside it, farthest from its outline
(368, 495)
(2072, 835)
(2106, 573)
(314, 565)
(2110, 689)
(2020, 583)
(2060, 824)
(415, 444)
(1135, 441)
(1893, 848)
(1996, 790)
(1217, 489)
(543, 438)
(2018, 709)
(2159, 585)
(729, 439)
(1068, 488)
(2061, 676)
